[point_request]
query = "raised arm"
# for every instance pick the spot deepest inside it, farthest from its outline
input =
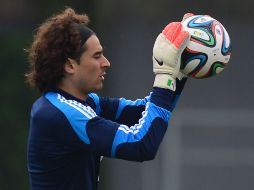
(137, 142)
(125, 111)
(119, 110)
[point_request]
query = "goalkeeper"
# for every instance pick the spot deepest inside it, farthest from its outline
(71, 127)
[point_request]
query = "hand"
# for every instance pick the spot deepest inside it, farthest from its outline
(180, 75)
(167, 51)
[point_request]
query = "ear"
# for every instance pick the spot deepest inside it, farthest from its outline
(69, 66)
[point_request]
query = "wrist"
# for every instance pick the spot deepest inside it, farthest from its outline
(165, 81)
(180, 85)
(163, 98)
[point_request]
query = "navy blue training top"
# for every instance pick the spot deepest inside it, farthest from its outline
(68, 136)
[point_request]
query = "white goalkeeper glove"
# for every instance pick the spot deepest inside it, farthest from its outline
(180, 75)
(167, 51)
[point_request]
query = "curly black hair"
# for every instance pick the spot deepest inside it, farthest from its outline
(56, 40)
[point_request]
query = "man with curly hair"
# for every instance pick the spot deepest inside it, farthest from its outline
(71, 127)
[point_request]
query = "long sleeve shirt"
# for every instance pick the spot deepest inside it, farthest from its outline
(68, 136)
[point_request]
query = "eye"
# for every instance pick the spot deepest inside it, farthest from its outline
(98, 55)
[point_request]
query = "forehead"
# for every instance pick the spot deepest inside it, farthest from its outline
(93, 44)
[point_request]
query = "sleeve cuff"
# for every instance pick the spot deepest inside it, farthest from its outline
(163, 98)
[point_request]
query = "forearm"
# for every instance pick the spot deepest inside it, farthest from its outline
(120, 110)
(141, 141)
(179, 88)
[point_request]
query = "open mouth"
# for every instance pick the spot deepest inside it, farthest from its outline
(102, 76)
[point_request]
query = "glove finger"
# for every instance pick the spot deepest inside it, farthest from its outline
(175, 34)
(171, 30)
(182, 39)
(182, 42)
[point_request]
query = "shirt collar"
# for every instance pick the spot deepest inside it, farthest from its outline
(68, 96)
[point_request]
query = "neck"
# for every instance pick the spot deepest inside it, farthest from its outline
(71, 89)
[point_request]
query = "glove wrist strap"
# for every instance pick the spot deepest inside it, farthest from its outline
(165, 81)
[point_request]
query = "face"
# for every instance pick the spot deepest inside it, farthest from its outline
(90, 72)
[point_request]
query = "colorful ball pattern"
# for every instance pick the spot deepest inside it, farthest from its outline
(209, 49)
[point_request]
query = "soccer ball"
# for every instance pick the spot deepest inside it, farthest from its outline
(209, 49)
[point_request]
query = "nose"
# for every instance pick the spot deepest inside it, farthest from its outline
(105, 62)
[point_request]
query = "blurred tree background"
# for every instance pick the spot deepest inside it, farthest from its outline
(127, 30)
(19, 19)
